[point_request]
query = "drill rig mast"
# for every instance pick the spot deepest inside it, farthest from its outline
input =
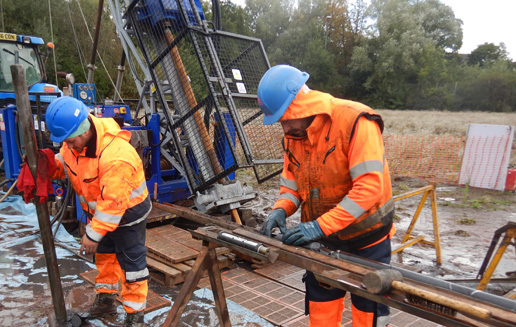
(201, 83)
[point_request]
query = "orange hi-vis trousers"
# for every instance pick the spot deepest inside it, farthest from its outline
(121, 256)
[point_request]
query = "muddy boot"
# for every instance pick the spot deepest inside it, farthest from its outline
(134, 319)
(104, 304)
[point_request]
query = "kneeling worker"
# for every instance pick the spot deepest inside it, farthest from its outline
(108, 178)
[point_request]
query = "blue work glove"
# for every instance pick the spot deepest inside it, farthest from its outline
(276, 218)
(303, 233)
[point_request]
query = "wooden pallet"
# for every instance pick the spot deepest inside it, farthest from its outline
(172, 252)
(171, 275)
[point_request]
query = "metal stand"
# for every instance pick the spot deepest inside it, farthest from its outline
(486, 271)
(206, 260)
(408, 239)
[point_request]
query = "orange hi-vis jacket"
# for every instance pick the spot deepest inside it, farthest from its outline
(338, 171)
(109, 182)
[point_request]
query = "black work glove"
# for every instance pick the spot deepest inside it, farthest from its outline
(276, 218)
(303, 233)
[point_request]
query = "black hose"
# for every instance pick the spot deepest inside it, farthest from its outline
(61, 212)
(5, 181)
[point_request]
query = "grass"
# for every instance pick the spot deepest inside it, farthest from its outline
(430, 122)
(467, 221)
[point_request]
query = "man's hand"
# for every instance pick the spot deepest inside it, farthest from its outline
(276, 218)
(23, 159)
(88, 246)
(303, 233)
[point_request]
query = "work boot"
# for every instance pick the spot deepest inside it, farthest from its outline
(134, 319)
(104, 304)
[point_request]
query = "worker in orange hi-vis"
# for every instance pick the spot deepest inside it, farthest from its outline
(108, 177)
(335, 168)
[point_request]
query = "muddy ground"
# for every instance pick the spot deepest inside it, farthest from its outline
(467, 219)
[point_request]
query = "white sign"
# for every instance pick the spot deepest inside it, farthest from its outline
(486, 156)
(236, 74)
(241, 88)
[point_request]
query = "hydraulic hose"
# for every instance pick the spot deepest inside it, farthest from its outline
(60, 214)
(5, 180)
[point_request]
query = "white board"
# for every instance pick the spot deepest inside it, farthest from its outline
(486, 156)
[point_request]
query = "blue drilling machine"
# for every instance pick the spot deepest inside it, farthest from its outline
(197, 120)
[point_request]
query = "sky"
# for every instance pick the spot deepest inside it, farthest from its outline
(490, 21)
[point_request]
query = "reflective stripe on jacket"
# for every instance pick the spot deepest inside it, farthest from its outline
(109, 185)
(338, 171)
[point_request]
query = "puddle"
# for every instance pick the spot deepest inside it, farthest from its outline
(26, 299)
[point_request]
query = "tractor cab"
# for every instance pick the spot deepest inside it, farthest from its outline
(23, 50)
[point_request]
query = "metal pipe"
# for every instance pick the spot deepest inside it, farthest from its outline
(119, 78)
(480, 295)
(91, 65)
(31, 148)
(243, 242)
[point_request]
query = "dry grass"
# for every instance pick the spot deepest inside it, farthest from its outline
(439, 122)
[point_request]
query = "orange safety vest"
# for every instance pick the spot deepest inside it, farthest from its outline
(338, 172)
(109, 183)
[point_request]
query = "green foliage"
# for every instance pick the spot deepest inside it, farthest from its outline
(399, 54)
(234, 18)
(70, 29)
(487, 54)
(404, 52)
(462, 233)
(486, 89)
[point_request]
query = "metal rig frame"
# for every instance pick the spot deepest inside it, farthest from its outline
(202, 83)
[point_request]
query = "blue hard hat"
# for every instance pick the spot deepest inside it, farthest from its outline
(277, 88)
(63, 117)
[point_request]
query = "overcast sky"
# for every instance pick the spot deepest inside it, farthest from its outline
(490, 21)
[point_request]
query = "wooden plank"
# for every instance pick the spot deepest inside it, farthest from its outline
(161, 245)
(165, 260)
(162, 267)
(159, 215)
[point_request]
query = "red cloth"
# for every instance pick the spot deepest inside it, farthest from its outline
(46, 167)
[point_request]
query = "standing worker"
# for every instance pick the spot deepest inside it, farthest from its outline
(334, 165)
(108, 178)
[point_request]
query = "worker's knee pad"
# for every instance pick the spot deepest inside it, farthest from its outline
(326, 314)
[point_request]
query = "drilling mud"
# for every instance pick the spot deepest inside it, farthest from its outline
(467, 219)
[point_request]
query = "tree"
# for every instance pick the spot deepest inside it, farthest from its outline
(343, 27)
(66, 23)
(269, 18)
(487, 54)
(305, 45)
(406, 37)
(234, 18)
